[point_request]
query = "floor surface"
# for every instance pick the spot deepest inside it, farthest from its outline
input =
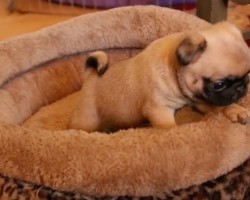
(12, 24)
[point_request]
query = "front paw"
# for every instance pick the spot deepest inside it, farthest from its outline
(236, 113)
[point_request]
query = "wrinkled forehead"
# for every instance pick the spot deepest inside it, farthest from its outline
(221, 59)
(227, 54)
(227, 66)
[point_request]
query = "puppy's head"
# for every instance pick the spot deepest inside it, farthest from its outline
(214, 65)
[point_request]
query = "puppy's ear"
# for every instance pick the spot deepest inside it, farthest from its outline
(190, 49)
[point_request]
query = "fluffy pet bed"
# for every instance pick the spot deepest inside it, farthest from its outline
(203, 158)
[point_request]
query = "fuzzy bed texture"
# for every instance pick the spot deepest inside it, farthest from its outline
(40, 77)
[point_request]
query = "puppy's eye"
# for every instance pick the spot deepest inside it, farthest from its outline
(219, 86)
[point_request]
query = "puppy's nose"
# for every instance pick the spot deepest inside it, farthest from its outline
(246, 80)
(240, 89)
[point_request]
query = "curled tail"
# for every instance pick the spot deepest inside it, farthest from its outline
(97, 60)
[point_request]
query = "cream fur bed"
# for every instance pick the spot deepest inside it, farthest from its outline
(40, 76)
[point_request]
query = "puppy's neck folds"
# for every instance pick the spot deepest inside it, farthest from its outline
(160, 80)
(167, 90)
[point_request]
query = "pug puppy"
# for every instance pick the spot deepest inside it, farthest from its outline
(207, 69)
